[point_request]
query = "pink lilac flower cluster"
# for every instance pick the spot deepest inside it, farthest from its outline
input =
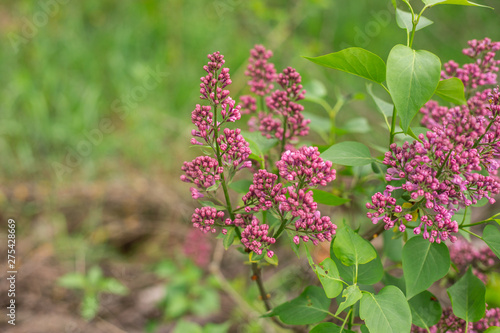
(303, 169)
(440, 173)
(284, 121)
(482, 71)
(449, 323)
(230, 149)
(463, 255)
(261, 72)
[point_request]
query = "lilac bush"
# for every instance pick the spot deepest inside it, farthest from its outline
(426, 184)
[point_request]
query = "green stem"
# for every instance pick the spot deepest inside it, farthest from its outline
(486, 131)
(393, 126)
(414, 24)
(262, 104)
(442, 165)
(345, 320)
(333, 113)
(473, 234)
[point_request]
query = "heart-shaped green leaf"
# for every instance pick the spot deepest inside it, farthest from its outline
(432, 3)
(351, 248)
(369, 273)
(491, 236)
(326, 198)
(352, 294)
(425, 309)
(404, 21)
(329, 277)
(451, 90)
(387, 312)
(308, 308)
(354, 60)
(467, 297)
(348, 153)
(412, 78)
(423, 264)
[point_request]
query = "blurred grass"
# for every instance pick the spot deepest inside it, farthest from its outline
(65, 79)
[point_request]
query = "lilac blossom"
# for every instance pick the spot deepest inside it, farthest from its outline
(255, 237)
(449, 323)
(205, 219)
(203, 171)
(482, 71)
(261, 72)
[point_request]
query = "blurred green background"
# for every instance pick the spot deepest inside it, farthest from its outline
(95, 112)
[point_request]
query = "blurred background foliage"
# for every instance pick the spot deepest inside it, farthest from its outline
(65, 78)
(67, 66)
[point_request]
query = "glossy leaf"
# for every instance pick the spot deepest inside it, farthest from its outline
(308, 308)
(348, 153)
(404, 21)
(228, 238)
(368, 273)
(493, 329)
(329, 277)
(425, 309)
(352, 294)
(351, 249)
(423, 264)
(393, 246)
(387, 312)
(328, 328)
(240, 186)
(326, 198)
(452, 90)
(491, 236)
(467, 297)
(412, 78)
(354, 60)
(432, 3)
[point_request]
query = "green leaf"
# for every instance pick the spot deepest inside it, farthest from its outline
(354, 60)
(240, 186)
(351, 249)
(112, 286)
(348, 153)
(295, 247)
(390, 280)
(273, 260)
(94, 276)
(217, 328)
(328, 328)
(89, 306)
(229, 238)
(393, 246)
(329, 277)
(423, 264)
(309, 308)
(467, 297)
(369, 273)
(352, 294)
(404, 21)
(412, 78)
(387, 312)
(72, 281)
(384, 108)
(491, 236)
(211, 204)
(493, 329)
(315, 89)
(262, 144)
(451, 90)
(425, 309)
(432, 3)
(326, 198)
(356, 125)
(186, 326)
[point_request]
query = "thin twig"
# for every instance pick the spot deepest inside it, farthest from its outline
(257, 277)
